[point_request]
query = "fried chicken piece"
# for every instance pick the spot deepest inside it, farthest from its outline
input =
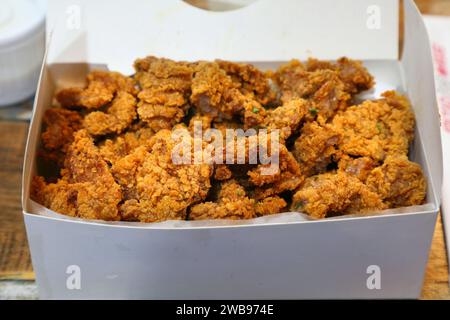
(324, 90)
(86, 189)
(287, 118)
(232, 204)
(222, 172)
(353, 74)
(254, 115)
(60, 125)
(100, 90)
(199, 124)
(216, 94)
(250, 81)
(166, 87)
(116, 119)
(59, 128)
(333, 194)
(155, 187)
(376, 129)
(358, 167)
(122, 145)
(315, 148)
(399, 182)
(288, 175)
(270, 205)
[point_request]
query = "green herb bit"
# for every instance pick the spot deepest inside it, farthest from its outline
(379, 127)
(313, 111)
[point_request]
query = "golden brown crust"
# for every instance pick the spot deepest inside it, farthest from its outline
(331, 194)
(100, 90)
(316, 147)
(155, 188)
(249, 80)
(399, 182)
(376, 129)
(165, 89)
(117, 152)
(87, 188)
(116, 119)
(233, 204)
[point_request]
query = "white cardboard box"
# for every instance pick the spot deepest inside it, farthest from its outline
(285, 257)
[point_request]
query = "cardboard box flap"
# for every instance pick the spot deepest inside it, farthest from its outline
(418, 72)
(265, 30)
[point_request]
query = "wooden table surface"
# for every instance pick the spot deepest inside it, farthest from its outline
(15, 263)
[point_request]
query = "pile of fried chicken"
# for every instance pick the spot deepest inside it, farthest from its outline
(112, 143)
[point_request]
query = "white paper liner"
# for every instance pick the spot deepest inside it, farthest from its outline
(281, 218)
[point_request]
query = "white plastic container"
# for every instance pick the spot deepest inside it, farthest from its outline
(22, 47)
(330, 258)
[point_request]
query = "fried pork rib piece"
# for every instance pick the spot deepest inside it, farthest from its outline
(376, 129)
(399, 182)
(249, 80)
(324, 90)
(355, 76)
(60, 126)
(270, 205)
(222, 172)
(358, 167)
(116, 119)
(100, 90)
(155, 187)
(287, 175)
(86, 190)
(215, 93)
(199, 124)
(166, 86)
(232, 204)
(332, 194)
(122, 145)
(316, 147)
(287, 118)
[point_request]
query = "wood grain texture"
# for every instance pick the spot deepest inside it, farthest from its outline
(14, 255)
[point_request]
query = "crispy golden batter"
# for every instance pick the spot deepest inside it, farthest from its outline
(116, 119)
(376, 129)
(232, 204)
(333, 158)
(87, 188)
(358, 167)
(332, 194)
(114, 149)
(315, 148)
(355, 76)
(100, 90)
(155, 188)
(166, 86)
(399, 182)
(222, 172)
(288, 175)
(270, 205)
(59, 128)
(60, 125)
(199, 124)
(215, 93)
(249, 80)
(287, 118)
(323, 88)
